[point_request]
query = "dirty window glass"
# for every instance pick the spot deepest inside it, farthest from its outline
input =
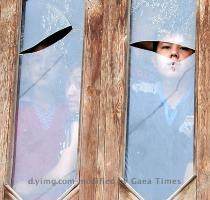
(47, 121)
(160, 131)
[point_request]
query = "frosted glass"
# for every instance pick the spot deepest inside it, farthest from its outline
(45, 161)
(160, 131)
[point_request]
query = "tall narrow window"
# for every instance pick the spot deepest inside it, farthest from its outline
(47, 126)
(160, 133)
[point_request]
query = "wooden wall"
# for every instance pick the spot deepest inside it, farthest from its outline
(104, 96)
(103, 100)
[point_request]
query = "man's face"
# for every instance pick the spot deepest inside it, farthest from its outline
(170, 59)
(173, 51)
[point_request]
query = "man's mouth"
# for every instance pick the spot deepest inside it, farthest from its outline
(173, 66)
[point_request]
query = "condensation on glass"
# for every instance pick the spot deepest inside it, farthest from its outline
(160, 132)
(45, 161)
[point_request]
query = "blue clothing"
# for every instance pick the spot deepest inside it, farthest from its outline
(159, 141)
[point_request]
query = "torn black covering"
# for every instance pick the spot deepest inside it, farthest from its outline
(49, 40)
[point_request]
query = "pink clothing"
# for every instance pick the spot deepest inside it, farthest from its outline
(38, 147)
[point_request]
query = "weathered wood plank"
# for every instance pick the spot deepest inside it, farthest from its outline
(203, 103)
(103, 106)
(10, 11)
(90, 99)
(113, 95)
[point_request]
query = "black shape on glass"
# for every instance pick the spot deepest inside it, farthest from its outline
(146, 45)
(48, 41)
(149, 45)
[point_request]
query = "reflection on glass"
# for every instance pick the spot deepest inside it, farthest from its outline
(159, 153)
(45, 162)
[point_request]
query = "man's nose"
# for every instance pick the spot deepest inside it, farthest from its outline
(174, 53)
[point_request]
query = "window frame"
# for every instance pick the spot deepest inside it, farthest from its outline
(104, 100)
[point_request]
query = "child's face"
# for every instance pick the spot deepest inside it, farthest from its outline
(174, 51)
(170, 59)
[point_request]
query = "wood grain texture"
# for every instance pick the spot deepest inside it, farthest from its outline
(103, 100)
(10, 12)
(126, 193)
(203, 119)
(90, 98)
(9, 196)
(188, 192)
(103, 106)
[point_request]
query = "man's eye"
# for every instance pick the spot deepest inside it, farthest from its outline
(166, 47)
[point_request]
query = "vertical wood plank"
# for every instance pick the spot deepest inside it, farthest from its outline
(103, 106)
(113, 95)
(203, 121)
(10, 15)
(90, 99)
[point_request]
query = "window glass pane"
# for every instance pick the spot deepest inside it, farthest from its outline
(160, 132)
(45, 162)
